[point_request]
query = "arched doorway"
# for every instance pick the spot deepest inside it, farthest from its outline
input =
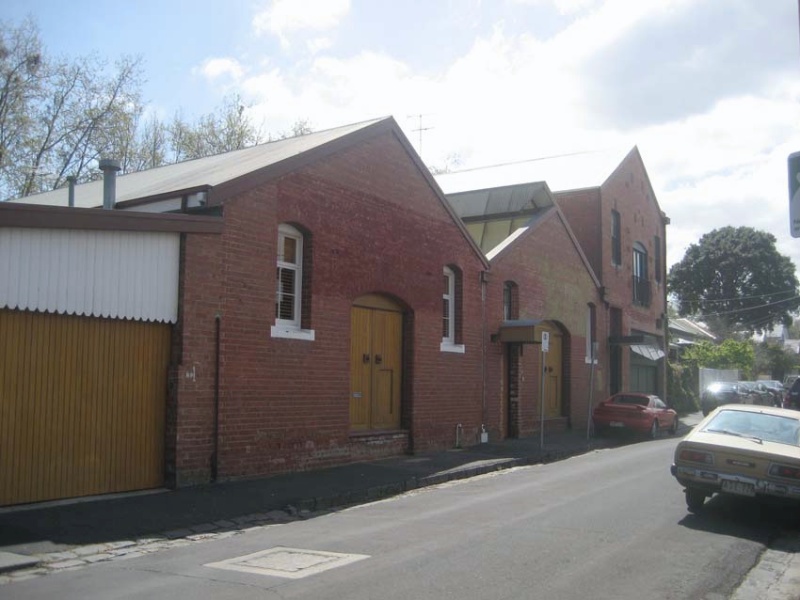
(376, 352)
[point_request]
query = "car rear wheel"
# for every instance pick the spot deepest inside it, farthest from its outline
(694, 499)
(674, 428)
(654, 429)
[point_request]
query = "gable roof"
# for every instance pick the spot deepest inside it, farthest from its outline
(564, 172)
(506, 214)
(200, 173)
(224, 175)
(690, 328)
(501, 200)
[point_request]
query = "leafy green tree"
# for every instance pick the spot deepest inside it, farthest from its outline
(735, 280)
(730, 354)
(57, 117)
(774, 360)
(681, 386)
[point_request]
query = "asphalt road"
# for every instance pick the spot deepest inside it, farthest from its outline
(610, 524)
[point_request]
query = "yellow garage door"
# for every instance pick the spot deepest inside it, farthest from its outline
(82, 405)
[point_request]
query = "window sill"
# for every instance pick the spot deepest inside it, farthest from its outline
(292, 333)
(451, 347)
(588, 360)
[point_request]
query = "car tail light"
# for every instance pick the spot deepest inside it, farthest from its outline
(784, 471)
(696, 456)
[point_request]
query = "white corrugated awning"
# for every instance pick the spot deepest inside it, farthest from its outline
(649, 352)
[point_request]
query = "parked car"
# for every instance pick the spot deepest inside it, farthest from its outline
(788, 381)
(757, 393)
(775, 388)
(792, 398)
(638, 412)
(720, 393)
(742, 450)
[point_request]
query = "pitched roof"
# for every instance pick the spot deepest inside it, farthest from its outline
(565, 172)
(501, 200)
(199, 173)
(692, 328)
(498, 217)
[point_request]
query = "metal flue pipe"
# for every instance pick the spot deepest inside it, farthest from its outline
(109, 167)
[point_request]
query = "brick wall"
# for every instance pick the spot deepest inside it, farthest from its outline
(628, 191)
(553, 285)
(376, 227)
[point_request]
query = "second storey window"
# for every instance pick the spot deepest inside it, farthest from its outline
(657, 259)
(616, 239)
(641, 284)
(510, 301)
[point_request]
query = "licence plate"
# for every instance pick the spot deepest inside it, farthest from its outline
(616, 424)
(738, 487)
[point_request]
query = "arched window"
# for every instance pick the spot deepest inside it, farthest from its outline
(451, 311)
(289, 285)
(510, 301)
(641, 284)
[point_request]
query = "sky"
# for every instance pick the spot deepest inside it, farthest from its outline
(707, 89)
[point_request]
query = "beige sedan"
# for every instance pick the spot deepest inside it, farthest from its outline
(742, 450)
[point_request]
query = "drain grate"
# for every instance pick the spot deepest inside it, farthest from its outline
(292, 563)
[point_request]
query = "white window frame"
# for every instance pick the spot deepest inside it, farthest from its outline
(589, 339)
(449, 296)
(290, 328)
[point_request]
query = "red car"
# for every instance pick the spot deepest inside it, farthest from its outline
(642, 413)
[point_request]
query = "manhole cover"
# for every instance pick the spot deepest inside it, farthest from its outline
(292, 563)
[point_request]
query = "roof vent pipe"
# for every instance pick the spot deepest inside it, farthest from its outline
(109, 167)
(71, 179)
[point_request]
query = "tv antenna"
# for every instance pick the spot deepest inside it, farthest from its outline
(420, 129)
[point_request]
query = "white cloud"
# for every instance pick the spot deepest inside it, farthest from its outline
(216, 68)
(285, 17)
(520, 97)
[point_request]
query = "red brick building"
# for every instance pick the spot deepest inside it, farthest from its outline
(623, 230)
(611, 208)
(539, 281)
(347, 353)
(342, 309)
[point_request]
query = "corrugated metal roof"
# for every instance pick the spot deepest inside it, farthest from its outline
(566, 172)
(208, 171)
(501, 200)
(690, 327)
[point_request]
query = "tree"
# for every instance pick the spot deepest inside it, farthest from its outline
(735, 280)
(774, 360)
(58, 117)
(730, 354)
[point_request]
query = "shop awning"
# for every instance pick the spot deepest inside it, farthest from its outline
(649, 352)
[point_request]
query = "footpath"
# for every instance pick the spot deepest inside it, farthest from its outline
(46, 538)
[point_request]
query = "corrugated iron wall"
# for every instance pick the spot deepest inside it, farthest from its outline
(82, 405)
(117, 274)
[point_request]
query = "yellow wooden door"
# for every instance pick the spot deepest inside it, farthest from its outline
(386, 334)
(360, 368)
(375, 365)
(553, 383)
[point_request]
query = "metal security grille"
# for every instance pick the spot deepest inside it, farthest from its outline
(82, 405)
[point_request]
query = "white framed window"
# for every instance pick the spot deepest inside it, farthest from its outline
(289, 285)
(449, 320)
(591, 334)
